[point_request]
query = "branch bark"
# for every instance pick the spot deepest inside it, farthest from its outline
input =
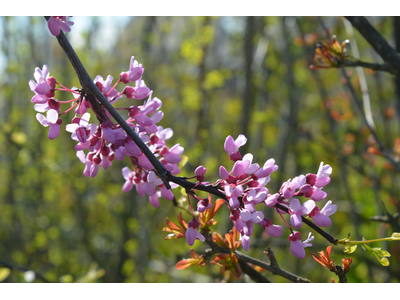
(378, 42)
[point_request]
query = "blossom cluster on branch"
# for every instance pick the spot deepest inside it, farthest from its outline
(106, 140)
(244, 186)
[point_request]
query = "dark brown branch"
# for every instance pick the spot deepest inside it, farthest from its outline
(22, 269)
(373, 66)
(253, 274)
(378, 42)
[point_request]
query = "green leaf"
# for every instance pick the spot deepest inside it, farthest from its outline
(380, 252)
(4, 272)
(384, 262)
(350, 249)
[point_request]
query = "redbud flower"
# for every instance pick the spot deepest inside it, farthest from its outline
(245, 242)
(135, 72)
(139, 92)
(52, 121)
(271, 200)
(288, 188)
(237, 221)
(297, 246)
(43, 87)
(323, 175)
(318, 194)
(232, 147)
(266, 170)
(128, 176)
(297, 210)
(199, 172)
(203, 204)
(232, 195)
(82, 131)
(192, 233)
(59, 22)
(172, 155)
(321, 217)
(271, 229)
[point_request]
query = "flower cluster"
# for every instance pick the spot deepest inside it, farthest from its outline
(106, 140)
(247, 194)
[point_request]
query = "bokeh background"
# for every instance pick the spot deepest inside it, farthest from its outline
(216, 76)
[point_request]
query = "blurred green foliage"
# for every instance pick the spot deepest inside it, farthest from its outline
(71, 228)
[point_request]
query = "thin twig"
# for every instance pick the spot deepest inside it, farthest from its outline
(262, 264)
(358, 63)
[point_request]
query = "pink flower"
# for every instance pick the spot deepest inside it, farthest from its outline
(318, 194)
(245, 242)
(232, 147)
(53, 121)
(44, 86)
(199, 172)
(192, 234)
(128, 176)
(271, 229)
(151, 184)
(233, 194)
(59, 22)
(321, 217)
(105, 86)
(203, 204)
(237, 221)
(172, 155)
(135, 72)
(297, 246)
(288, 188)
(139, 92)
(297, 210)
(323, 175)
(266, 170)
(81, 131)
(271, 200)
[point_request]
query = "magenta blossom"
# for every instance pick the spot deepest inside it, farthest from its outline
(81, 131)
(271, 229)
(135, 72)
(297, 210)
(53, 121)
(57, 23)
(44, 86)
(232, 147)
(203, 204)
(192, 233)
(297, 246)
(199, 172)
(321, 216)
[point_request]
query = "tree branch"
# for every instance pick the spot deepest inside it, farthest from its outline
(373, 66)
(378, 42)
(274, 269)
